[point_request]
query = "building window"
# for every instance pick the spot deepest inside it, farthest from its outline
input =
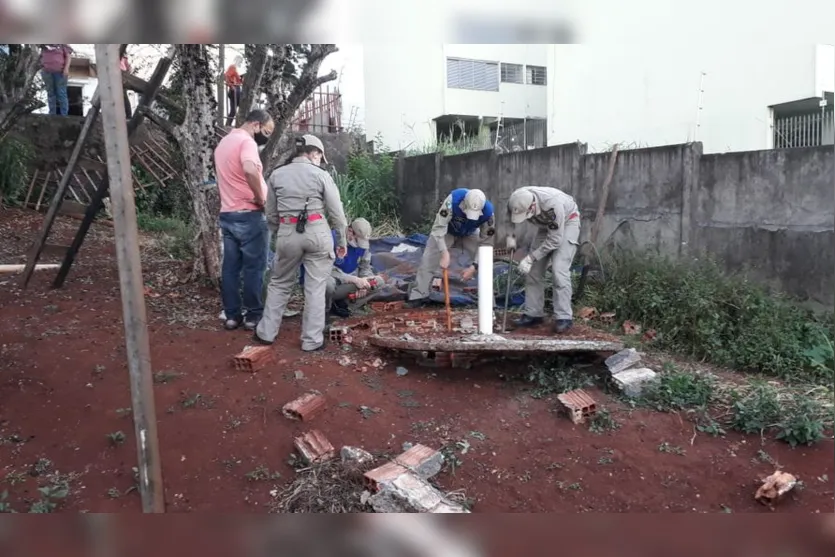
(472, 74)
(535, 75)
(512, 73)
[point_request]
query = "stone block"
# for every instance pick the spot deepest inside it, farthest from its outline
(633, 381)
(407, 493)
(354, 456)
(622, 361)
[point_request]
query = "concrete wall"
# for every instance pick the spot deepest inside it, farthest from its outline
(768, 213)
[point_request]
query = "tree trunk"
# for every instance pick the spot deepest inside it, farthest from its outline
(17, 85)
(196, 139)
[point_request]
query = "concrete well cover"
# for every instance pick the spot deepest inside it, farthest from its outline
(494, 343)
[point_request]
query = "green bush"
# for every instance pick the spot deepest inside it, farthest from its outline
(367, 188)
(15, 156)
(702, 312)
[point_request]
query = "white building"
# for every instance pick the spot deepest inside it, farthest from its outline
(733, 75)
(417, 93)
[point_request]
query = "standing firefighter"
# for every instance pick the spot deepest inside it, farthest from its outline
(556, 219)
(465, 220)
(299, 195)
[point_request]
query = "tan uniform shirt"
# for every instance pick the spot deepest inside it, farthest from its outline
(290, 186)
(556, 207)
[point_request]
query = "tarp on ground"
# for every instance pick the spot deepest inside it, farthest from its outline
(399, 258)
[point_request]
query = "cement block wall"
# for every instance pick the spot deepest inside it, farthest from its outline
(769, 213)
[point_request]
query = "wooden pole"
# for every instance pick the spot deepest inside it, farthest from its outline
(130, 277)
(221, 82)
(447, 302)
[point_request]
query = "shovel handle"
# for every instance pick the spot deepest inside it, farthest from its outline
(446, 301)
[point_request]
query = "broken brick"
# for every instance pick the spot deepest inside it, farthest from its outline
(587, 313)
(774, 487)
(631, 328)
(314, 447)
(306, 407)
(254, 358)
(386, 473)
(500, 252)
(337, 334)
(422, 460)
(607, 317)
(579, 405)
(354, 456)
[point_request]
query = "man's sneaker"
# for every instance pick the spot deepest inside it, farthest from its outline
(527, 321)
(250, 325)
(231, 324)
(320, 347)
(562, 325)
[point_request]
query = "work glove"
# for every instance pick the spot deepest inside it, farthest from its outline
(525, 265)
(511, 242)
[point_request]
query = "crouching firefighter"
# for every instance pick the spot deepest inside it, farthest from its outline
(465, 220)
(553, 222)
(299, 196)
(352, 276)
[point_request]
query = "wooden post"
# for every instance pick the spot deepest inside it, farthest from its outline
(130, 277)
(221, 85)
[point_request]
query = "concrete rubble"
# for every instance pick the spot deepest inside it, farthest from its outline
(633, 381)
(627, 376)
(774, 487)
(401, 486)
(354, 456)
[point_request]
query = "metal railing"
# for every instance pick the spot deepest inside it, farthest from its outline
(804, 130)
(530, 134)
(321, 112)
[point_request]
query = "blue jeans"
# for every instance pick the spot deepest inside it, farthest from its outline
(245, 243)
(56, 92)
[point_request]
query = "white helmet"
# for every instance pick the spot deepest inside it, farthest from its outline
(522, 205)
(473, 204)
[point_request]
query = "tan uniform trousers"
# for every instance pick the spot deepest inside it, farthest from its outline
(337, 292)
(560, 261)
(314, 250)
(430, 263)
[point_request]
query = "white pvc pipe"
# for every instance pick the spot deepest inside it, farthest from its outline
(485, 290)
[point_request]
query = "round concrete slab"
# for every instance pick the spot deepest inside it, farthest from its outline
(493, 343)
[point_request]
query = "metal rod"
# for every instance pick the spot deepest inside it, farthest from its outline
(507, 291)
(130, 278)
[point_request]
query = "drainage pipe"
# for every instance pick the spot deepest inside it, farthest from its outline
(485, 290)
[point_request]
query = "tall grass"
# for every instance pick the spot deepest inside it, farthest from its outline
(368, 190)
(701, 311)
(15, 156)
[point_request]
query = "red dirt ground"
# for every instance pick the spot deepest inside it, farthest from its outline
(63, 378)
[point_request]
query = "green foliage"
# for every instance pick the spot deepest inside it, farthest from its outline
(15, 156)
(368, 188)
(800, 425)
(700, 311)
(176, 237)
(676, 390)
(556, 375)
(757, 410)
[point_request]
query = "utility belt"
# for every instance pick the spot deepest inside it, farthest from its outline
(293, 220)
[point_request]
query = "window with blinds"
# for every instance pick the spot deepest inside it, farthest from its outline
(535, 75)
(512, 73)
(472, 74)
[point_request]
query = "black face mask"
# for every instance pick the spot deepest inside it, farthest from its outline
(261, 139)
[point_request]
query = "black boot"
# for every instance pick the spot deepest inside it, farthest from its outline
(527, 321)
(418, 303)
(562, 325)
(340, 309)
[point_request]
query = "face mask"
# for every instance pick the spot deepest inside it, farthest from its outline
(261, 139)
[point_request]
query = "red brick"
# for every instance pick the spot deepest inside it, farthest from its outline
(306, 407)
(423, 460)
(382, 474)
(314, 447)
(578, 404)
(254, 358)
(337, 334)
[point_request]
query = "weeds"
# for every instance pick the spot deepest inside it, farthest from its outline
(15, 155)
(665, 447)
(556, 375)
(700, 311)
(602, 421)
(164, 377)
(176, 236)
(368, 188)
(676, 390)
(116, 438)
(261, 474)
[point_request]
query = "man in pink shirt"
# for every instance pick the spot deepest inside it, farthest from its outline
(55, 69)
(245, 237)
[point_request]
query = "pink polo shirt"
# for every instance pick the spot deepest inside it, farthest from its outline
(230, 154)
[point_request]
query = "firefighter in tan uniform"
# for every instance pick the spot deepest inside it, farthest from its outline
(300, 194)
(553, 222)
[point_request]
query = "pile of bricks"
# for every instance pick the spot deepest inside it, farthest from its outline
(254, 358)
(383, 307)
(626, 373)
(401, 485)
